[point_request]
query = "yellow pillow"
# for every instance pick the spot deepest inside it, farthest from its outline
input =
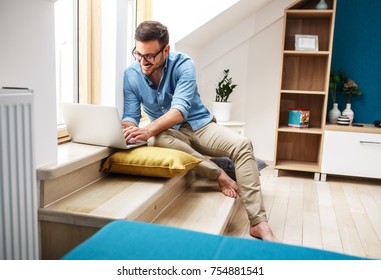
(150, 161)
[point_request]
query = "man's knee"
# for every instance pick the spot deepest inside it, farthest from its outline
(245, 144)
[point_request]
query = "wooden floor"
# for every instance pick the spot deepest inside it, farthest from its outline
(341, 215)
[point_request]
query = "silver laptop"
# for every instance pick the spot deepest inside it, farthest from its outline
(95, 125)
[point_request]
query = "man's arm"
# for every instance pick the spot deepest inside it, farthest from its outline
(166, 121)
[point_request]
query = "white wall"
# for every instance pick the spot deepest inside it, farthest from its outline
(27, 60)
(183, 17)
(262, 89)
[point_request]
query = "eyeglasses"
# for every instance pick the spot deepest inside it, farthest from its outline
(148, 57)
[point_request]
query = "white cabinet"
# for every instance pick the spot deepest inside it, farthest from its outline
(352, 154)
(237, 126)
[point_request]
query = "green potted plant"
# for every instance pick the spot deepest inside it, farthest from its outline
(224, 87)
(221, 106)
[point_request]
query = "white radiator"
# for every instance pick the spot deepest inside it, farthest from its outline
(18, 191)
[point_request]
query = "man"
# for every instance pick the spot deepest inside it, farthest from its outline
(164, 83)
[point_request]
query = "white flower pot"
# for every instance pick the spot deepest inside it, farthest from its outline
(222, 111)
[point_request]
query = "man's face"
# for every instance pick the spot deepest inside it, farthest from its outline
(151, 55)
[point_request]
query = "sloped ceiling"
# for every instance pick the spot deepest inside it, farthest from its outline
(224, 21)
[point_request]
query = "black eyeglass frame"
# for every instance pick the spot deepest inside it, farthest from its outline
(148, 57)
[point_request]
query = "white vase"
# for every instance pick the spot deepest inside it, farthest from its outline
(348, 112)
(334, 113)
(222, 110)
(322, 5)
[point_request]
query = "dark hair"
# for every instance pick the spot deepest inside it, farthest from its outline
(152, 30)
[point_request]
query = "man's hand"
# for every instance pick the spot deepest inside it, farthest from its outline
(132, 134)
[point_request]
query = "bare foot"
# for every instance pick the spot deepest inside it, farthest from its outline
(263, 231)
(227, 185)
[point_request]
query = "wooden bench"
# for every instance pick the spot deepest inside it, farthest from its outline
(76, 200)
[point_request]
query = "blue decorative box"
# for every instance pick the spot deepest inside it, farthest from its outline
(298, 117)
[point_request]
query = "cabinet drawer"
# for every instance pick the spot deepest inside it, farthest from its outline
(351, 153)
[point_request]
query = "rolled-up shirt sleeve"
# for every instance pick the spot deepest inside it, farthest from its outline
(131, 111)
(186, 87)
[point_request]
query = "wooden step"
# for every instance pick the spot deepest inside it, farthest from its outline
(71, 220)
(201, 207)
(116, 197)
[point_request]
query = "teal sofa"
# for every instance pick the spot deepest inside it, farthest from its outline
(129, 240)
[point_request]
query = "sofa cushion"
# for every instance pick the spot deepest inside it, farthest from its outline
(150, 161)
(227, 165)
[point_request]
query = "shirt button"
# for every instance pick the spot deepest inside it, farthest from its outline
(158, 92)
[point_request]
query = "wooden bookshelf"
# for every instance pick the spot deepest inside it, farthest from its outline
(304, 84)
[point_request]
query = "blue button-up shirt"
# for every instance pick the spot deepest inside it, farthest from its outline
(177, 90)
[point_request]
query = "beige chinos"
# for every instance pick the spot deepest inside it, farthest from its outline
(218, 141)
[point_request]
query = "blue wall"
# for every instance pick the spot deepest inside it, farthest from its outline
(357, 51)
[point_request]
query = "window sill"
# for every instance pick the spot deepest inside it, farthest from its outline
(72, 156)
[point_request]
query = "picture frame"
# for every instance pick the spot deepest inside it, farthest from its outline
(306, 42)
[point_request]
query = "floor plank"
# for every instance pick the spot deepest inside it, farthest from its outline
(349, 236)
(293, 230)
(372, 209)
(311, 216)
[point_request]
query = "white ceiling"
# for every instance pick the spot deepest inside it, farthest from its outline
(224, 21)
